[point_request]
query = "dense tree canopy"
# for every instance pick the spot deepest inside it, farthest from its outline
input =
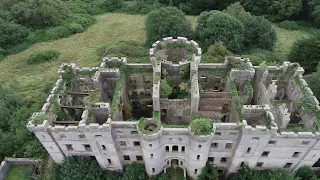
(272, 9)
(216, 26)
(11, 33)
(15, 138)
(166, 22)
(306, 51)
(38, 13)
(259, 33)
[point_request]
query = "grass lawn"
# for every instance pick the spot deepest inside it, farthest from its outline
(82, 50)
(19, 173)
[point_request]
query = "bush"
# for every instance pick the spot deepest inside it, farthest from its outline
(201, 127)
(45, 56)
(165, 88)
(289, 25)
(75, 28)
(259, 33)
(306, 52)
(2, 53)
(140, 6)
(166, 22)
(83, 19)
(217, 52)
(216, 26)
(237, 11)
(57, 33)
(304, 172)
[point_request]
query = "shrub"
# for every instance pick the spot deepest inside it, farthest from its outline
(259, 33)
(217, 52)
(45, 56)
(113, 5)
(306, 52)
(74, 28)
(166, 22)
(289, 25)
(237, 11)
(83, 19)
(216, 26)
(201, 126)
(2, 53)
(57, 33)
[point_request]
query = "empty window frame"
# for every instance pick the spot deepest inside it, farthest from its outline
(104, 147)
(82, 136)
(211, 160)
(183, 149)
(305, 142)
(229, 145)
(151, 156)
(195, 171)
(217, 133)
(214, 145)
(136, 143)
(109, 161)
(122, 143)
(256, 138)
(296, 154)
(167, 148)
(249, 150)
(287, 165)
(198, 157)
(134, 132)
(69, 147)
(126, 158)
(62, 136)
(272, 142)
(175, 148)
(224, 160)
(139, 158)
(87, 147)
(265, 153)
(259, 164)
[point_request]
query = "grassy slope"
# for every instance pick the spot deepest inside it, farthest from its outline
(81, 49)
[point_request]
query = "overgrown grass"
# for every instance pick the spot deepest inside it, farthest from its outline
(19, 173)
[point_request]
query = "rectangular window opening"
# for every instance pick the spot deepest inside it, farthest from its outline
(198, 157)
(287, 165)
(139, 158)
(104, 147)
(109, 161)
(223, 160)
(214, 145)
(136, 143)
(126, 158)
(87, 147)
(259, 164)
(69, 147)
(265, 153)
(229, 145)
(272, 142)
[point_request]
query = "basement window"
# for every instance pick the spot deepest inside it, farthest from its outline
(259, 164)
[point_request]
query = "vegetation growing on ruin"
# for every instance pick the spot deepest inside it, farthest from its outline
(201, 127)
(155, 127)
(236, 99)
(93, 98)
(249, 87)
(117, 91)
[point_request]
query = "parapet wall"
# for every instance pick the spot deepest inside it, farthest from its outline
(6, 165)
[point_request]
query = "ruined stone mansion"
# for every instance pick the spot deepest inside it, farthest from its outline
(121, 112)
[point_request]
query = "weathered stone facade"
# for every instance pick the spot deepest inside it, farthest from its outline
(265, 116)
